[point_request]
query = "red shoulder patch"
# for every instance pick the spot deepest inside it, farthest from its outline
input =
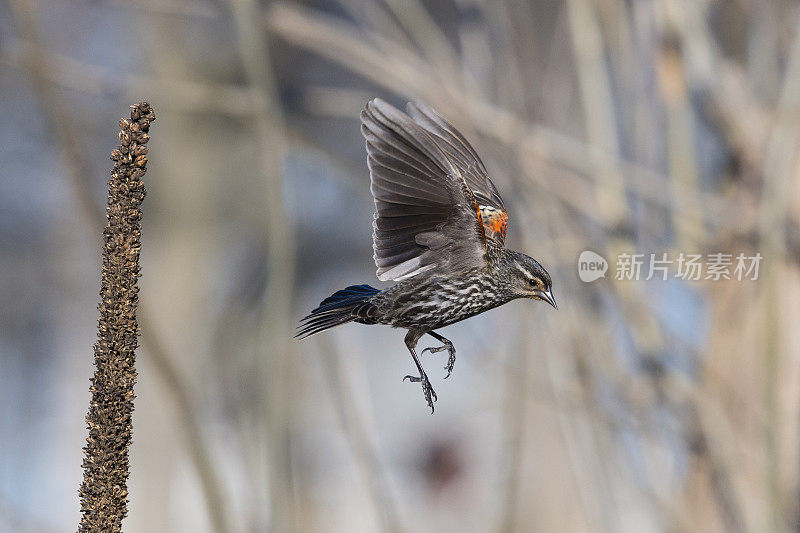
(495, 223)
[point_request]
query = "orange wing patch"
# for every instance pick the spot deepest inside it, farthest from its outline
(495, 222)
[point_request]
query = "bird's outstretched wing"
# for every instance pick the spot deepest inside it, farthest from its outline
(428, 213)
(464, 157)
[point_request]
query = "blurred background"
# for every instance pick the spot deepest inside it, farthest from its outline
(648, 126)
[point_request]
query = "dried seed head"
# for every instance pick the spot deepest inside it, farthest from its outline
(104, 490)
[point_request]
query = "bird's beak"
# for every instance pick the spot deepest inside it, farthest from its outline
(547, 296)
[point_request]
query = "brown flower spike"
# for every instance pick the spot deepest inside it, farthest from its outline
(104, 491)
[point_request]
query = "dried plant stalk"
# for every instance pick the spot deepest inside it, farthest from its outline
(104, 491)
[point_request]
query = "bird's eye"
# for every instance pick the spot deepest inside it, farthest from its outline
(532, 282)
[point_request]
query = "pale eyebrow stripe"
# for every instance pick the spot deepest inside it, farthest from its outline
(524, 271)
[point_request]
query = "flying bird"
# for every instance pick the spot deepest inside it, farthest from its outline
(439, 231)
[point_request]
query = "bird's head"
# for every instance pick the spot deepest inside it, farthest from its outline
(526, 278)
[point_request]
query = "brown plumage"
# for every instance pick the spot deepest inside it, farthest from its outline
(439, 231)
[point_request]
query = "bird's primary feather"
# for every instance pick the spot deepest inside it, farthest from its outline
(434, 202)
(463, 156)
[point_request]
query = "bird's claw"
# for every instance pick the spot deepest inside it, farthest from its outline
(451, 361)
(427, 390)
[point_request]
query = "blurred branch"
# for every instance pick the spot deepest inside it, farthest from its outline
(356, 178)
(373, 17)
(725, 83)
(418, 23)
(598, 110)
(673, 85)
(58, 69)
(722, 487)
(707, 438)
(532, 140)
(515, 404)
(77, 169)
(334, 40)
(179, 8)
(602, 131)
(34, 59)
(189, 423)
(514, 61)
(779, 164)
(273, 365)
(766, 142)
(599, 511)
(357, 435)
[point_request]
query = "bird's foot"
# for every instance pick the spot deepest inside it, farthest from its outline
(451, 361)
(430, 394)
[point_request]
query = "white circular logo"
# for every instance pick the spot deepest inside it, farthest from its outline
(591, 266)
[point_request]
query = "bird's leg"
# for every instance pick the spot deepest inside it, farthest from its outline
(430, 395)
(446, 345)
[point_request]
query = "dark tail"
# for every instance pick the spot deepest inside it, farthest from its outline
(343, 306)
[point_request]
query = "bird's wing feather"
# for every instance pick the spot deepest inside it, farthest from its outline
(463, 156)
(426, 213)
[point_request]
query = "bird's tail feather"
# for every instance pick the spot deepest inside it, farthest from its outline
(341, 307)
